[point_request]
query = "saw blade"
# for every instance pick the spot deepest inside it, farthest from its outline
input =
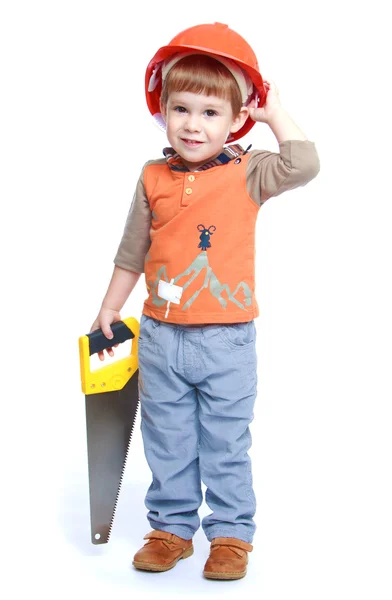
(110, 419)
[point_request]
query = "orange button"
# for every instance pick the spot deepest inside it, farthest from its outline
(188, 191)
(191, 178)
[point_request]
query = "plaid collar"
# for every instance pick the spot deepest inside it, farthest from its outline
(175, 163)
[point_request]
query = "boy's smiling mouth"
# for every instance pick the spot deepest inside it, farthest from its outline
(191, 143)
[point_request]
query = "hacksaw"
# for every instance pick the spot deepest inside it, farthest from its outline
(112, 401)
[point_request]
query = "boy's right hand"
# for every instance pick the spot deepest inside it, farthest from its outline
(105, 318)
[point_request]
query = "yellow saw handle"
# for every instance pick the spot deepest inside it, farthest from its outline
(114, 376)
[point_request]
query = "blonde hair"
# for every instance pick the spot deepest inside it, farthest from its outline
(202, 75)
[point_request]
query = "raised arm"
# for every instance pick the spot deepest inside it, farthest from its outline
(297, 162)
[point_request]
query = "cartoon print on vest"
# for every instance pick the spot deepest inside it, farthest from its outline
(205, 236)
(221, 291)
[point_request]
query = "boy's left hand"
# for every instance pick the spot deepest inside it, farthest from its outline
(272, 103)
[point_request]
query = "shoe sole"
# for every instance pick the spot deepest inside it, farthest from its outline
(215, 575)
(159, 568)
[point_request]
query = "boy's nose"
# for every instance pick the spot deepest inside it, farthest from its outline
(192, 123)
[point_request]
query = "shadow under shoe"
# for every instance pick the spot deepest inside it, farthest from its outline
(162, 551)
(228, 559)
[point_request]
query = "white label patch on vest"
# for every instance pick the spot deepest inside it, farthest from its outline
(169, 292)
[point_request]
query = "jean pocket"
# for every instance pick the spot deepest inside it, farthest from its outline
(148, 329)
(238, 335)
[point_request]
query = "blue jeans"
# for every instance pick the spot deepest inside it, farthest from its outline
(197, 389)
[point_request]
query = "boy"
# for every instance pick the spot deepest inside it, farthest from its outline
(191, 230)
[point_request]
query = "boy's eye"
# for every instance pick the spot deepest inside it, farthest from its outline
(211, 113)
(180, 109)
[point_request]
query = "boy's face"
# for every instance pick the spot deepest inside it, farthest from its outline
(197, 126)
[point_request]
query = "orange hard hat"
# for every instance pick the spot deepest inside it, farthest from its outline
(212, 39)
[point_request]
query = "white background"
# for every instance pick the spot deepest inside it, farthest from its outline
(75, 132)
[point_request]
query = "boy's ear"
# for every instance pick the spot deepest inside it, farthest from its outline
(239, 120)
(163, 111)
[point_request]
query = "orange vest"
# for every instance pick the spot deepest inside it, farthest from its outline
(203, 241)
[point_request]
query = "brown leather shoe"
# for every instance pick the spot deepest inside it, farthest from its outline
(228, 559)
(162, 551)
